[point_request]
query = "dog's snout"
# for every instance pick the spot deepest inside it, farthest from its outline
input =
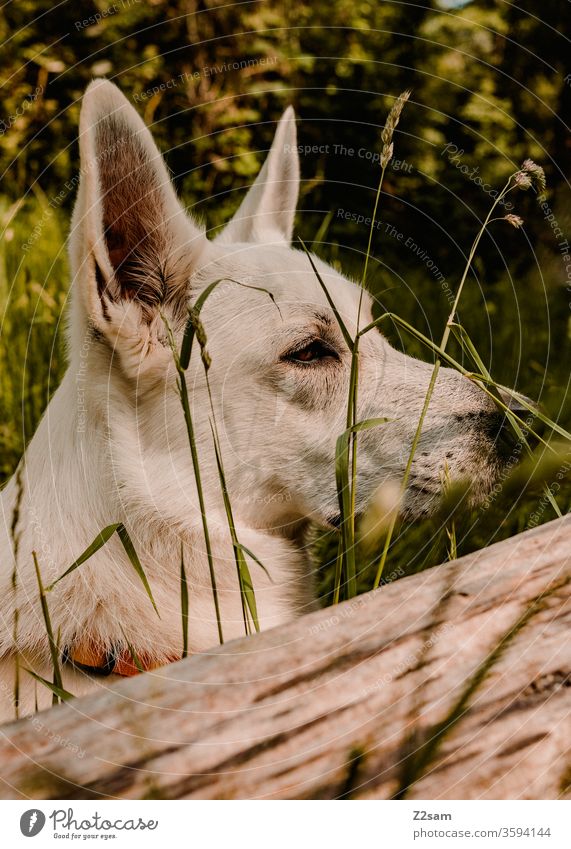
(500, 428)
(521, 406)
(501, 432)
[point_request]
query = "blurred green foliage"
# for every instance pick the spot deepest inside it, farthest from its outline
(210, 79)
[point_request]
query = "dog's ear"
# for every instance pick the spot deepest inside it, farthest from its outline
(132, 246)
(267, 212)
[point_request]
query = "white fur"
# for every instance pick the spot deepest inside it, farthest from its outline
(112, 445)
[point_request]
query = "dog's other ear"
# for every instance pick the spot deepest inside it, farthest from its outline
(132, 246)
(266, 214)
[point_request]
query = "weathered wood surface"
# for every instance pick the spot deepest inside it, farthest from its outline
(335, 703)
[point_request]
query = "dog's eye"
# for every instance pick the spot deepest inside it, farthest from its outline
(311, 353)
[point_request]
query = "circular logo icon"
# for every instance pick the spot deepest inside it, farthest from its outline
(32, 822)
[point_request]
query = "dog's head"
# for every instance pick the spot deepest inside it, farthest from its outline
(280, 366)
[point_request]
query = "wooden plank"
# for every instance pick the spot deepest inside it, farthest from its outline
(343, 702)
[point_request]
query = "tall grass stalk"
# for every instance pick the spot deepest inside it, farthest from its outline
(529, 174)
(345, 565)
(183, 602)
(386, 156)
(134, 656)
(247, 594)
(53, 646)
(194, 329)
(58, 693)
(15, 537)
(100, 540)
(182, 361)
(467, 345)
(451, 526)
(346, 453)
(480, 379)
(509, 186)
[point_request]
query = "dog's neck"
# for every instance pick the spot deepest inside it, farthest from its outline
(81, 473)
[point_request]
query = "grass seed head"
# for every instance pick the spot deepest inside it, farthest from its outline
(390, 126)
(530, 174)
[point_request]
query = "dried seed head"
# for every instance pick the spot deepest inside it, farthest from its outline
(386, 154)
(200, 337)
(390, 126)
(522, 180)
(514, 220)
(536, 171)
(198, 327)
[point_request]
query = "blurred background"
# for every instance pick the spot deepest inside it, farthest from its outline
(491, 86)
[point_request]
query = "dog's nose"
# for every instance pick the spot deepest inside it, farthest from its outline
(503, 433)
(519, 407)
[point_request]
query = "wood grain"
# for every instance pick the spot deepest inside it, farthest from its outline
(346, 702)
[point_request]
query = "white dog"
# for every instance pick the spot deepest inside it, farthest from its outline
(113, 445)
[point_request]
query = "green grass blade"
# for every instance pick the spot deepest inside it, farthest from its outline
(254, 558)
(344, 498)
(366, 424)
(53, 646)
(194, 328)
(346, 335)
(132, 652)
(322, 230)
(247, 586)
(538, 414)
(337, 579)
(244, 577)
(59, 692)
(183, 602)
(103, 537)
(515, 421)
(100, 540)
(190, 328)
(192, 321)
(345, 504)
(198, 478)
(127, 544)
